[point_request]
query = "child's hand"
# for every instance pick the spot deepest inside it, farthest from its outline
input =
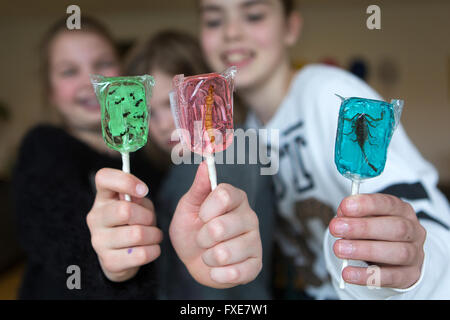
(216, 234)
(383, 230)
(122, 233)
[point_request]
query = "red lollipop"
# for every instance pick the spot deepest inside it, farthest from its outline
(202, 106)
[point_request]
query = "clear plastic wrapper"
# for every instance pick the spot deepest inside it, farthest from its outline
(202, 106)
(365, 128)
(125, 110)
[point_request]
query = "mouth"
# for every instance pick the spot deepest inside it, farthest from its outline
(237, 57)
(88, 103)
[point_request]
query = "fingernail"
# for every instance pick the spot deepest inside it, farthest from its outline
(141, 189)
(353, 276)
(345, 248)
(341, 228)
(352, 206)
(223, 275)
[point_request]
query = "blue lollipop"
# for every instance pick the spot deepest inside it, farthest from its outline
(365, 129)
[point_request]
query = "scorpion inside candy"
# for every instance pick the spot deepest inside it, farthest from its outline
(209, 101)
(360, 126)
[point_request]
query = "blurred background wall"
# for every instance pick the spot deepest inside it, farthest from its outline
(408, 58)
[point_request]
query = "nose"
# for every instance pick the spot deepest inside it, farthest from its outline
(233, 29)
(85, 80)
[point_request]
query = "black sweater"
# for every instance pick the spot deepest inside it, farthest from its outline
(53, 192)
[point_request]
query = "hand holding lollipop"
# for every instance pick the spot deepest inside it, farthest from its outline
(202, 106)
(365, 128)
(124, 106)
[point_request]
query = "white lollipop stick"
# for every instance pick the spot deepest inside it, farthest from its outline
(355, 190)
(212, 171)
(126, 168)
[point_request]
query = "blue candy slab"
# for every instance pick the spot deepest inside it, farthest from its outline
(365, 128)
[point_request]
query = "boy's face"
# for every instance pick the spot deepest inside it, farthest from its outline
(250, 34)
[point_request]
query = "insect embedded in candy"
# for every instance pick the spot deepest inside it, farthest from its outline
(209, 103)
(360, 126)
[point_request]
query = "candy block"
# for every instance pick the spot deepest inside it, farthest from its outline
(365, 128)
(203, 108)
(125, 111)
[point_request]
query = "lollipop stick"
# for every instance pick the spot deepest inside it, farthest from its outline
(211, 171)
(355, 187)
(355, 190)
(126, 168)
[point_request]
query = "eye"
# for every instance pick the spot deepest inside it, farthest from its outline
(255, 17)
(213, 23)
(68, 72)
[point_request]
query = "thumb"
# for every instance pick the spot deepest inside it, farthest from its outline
(200, 188)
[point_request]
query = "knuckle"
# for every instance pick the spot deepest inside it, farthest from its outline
(142, 256)
(234, 274)
(124, 211)
(136, 234)
(423, 233)
(216, 229)
(157, 251)
(391, 200)
(89, 220)
(99, 176)
(254, 220)
(403, 229)
(416, 273)
(221, 255)
(406, 253)
(409, 208)
(95, 242)
(109, 263)
(259, 267)
(224, 196)
(158, 236)
(129, 183)
(151, 218)
(243, 195)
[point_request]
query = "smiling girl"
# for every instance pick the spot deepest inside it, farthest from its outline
(381, 227)
(54, 175)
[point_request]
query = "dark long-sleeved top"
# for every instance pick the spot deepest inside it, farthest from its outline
(54, 190)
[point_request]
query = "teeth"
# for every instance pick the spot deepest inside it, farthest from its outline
(237, 57)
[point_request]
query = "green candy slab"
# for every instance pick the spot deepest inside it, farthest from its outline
(125, 110)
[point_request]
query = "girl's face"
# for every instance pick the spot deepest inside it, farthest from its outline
(73, 56)
(162, 124)
(250, 34)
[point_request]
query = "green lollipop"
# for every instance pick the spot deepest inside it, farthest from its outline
(125, 110)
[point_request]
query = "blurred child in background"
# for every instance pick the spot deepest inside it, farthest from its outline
(54, 175)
